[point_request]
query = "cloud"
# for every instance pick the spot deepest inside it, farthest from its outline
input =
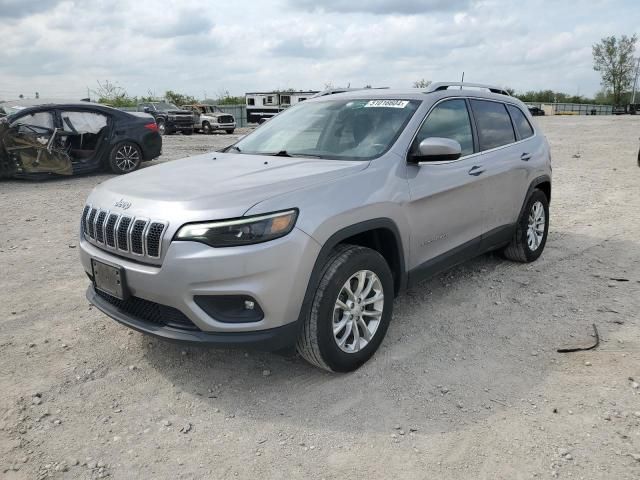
(382, 7)
(22, 8)
(61, 48)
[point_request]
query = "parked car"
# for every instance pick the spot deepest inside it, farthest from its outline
(305, 230)
(170, 119)
(619, 110)
(212, 118)
(535, 111)
(70, 138)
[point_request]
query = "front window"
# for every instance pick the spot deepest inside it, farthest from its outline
(360, 129)
(164, 106)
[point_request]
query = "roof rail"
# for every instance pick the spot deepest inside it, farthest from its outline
(434, 87)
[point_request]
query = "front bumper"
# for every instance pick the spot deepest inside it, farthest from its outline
(270, 339)
(274, 273)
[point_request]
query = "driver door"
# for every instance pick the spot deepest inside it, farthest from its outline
(448, 200)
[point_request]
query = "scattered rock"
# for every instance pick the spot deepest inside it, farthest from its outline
(587, 364)
(166, 423)
(36, 399)
(266, 372)
(186, 428)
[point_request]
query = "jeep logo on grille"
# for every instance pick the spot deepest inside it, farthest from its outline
(122, 204)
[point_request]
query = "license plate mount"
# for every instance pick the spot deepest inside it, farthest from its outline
(109, 278)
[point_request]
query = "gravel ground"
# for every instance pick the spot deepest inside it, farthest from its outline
(467, 384)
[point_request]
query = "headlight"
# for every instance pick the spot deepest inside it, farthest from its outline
(241, 231)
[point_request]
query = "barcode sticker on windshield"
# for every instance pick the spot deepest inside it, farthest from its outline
(387, 103)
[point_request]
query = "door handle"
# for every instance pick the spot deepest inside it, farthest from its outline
(525, 157)
(475, 170)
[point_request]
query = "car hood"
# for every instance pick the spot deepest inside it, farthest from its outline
(214, 185)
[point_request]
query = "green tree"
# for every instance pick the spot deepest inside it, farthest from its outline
(614, 59)
(422, 83)
(179, 99)
(113, 94)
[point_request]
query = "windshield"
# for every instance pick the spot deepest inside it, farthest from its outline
(344, 129)
(9, 110)
(163, 106)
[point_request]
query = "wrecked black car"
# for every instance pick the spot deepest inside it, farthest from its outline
(71, 138)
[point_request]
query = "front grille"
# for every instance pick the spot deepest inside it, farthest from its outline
(225, 119)
(154, 236)
(124, 233)
(110, 230)
(90, 225)
(150, 312)
(100, 226)
(136, 236)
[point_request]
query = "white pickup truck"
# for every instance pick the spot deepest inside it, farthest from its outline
(212, 118)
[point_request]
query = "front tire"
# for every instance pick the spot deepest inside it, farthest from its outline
(350, 311)
(531, 233)
(125, 157)
(187, 132)
(206, 128)
(230, 131)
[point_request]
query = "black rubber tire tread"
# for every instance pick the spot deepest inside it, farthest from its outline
(230, 131)
(112, 158)
(308, 345)
(518, 250)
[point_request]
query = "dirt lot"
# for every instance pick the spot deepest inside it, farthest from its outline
(467, 384)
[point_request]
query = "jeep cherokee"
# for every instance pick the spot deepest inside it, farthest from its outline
(304, 231)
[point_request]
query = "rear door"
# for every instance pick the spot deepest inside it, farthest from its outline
(447, 197)
(505, 171)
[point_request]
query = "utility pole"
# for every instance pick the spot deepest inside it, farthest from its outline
(635, 83)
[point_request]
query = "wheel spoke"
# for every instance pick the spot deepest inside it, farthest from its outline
(362, 278)
(337, 328)
(366, 333)
(356, 336)
(376, 298)
(347, 334)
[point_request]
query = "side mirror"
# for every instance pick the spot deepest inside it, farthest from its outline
(147, 110)
(436, 149)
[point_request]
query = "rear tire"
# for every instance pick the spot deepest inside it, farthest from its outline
(531, 232)
(187, 132)
(125, 157)
(350, 311)
(206, 128)
(162, 126)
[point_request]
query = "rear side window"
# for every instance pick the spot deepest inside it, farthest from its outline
(523, 127)
(493, 123)
(449, 119)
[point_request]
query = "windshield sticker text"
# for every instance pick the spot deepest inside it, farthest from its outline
(387, 103)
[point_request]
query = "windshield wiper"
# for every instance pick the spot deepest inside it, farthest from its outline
(281, 153)
(284, 153)
(232, 147)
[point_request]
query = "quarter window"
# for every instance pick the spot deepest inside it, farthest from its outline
(251, 101)
(524, 128)
(449, 119)
(494, 124)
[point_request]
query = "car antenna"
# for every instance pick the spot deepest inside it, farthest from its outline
(462, 80)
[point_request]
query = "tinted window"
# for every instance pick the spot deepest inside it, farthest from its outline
(449, 119)
(494, 124)
(520, 121)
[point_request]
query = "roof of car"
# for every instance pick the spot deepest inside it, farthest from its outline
(471, 90)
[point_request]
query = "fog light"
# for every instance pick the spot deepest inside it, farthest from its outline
(230, 308)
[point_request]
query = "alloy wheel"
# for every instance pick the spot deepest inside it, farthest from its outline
(358, 311)
(536, 226)
(127, 158)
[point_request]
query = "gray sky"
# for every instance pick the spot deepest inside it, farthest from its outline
(59, 48)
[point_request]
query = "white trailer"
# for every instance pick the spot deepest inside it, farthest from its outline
(267, 104)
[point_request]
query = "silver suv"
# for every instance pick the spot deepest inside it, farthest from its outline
(304, 231)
